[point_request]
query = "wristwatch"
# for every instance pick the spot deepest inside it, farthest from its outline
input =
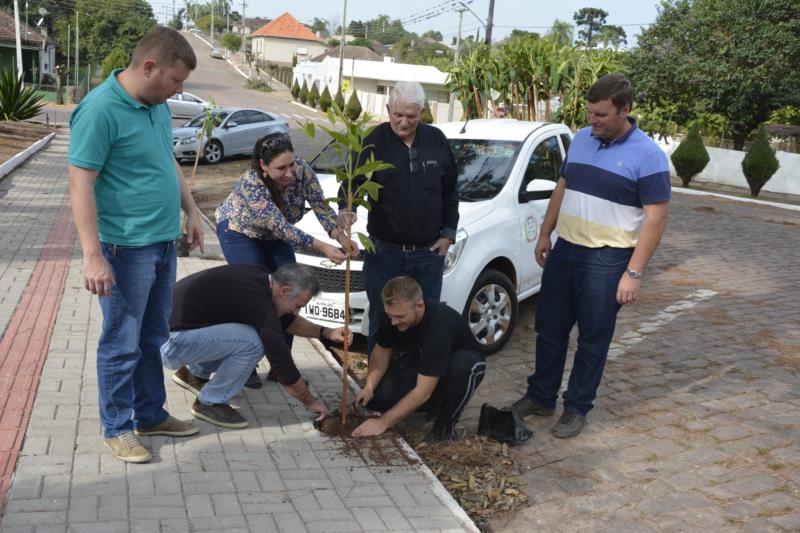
(633, 273)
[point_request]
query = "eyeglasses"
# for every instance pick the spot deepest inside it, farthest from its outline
(413, 163)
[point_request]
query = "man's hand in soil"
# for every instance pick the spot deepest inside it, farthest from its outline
(370, 428)
(363, 397)
(319, 408)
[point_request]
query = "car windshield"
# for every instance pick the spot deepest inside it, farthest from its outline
(197, 121)
(483, 167)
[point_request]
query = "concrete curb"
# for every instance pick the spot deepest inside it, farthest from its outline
(18, 159)
(736, 198)
(307, 108)
(444, 496)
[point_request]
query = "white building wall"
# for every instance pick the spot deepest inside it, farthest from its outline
(283, 50)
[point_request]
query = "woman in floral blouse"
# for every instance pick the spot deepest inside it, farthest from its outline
(255, 224)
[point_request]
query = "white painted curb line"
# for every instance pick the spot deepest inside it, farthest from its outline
(736, 198)
(18, 159)
(304, 106)
(445, 497)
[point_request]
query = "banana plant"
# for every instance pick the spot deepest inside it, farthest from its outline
(350, 144)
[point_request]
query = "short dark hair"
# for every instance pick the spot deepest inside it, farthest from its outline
(166, 46)
(297, 276)
(614, 87)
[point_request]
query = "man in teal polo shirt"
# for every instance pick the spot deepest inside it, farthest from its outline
(127, 191)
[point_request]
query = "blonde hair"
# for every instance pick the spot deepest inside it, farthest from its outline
(166, 46)
(401, 289)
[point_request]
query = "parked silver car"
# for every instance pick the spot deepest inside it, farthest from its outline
(237, 133)
(186, 105)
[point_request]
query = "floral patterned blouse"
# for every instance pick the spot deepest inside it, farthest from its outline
(250, 209)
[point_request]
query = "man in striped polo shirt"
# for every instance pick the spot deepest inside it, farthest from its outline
(609, 210)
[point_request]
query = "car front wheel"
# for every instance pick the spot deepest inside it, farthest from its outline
(491, 310)
(213, 152)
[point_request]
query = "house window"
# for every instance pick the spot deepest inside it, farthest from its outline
(383, 89)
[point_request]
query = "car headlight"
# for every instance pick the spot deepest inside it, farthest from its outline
(454, 252)
(188, 140)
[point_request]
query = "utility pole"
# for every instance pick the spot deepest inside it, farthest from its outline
(244, 37)
(451, 105)
(228, 15)
(77, 50)
(489, 22)
(341, 45)
(26, 17)
(173, 10)
(19, 41)
(212, 23)
(69, 44)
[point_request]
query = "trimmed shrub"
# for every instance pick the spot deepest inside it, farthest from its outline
(353, 108)
(339, 99)
(760, 163)
(313, 95)
(116, 59)
(691, 157)
(427, 116)
(295, 90)
(303, 96)
(325, 100)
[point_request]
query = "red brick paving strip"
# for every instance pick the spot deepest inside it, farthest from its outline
(23, 348)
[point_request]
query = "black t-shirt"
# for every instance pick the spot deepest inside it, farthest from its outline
(430, 344)
(236, 294)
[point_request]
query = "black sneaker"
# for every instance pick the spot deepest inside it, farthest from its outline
(569, 425)
(188, 381)
(524, 407)
(219, 414)
(253, 381)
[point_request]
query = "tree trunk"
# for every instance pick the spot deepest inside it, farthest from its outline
(739, 137)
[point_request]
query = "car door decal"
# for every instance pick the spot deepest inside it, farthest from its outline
(531, 228)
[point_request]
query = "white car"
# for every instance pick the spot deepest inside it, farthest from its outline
(507, 170)
(186, 105)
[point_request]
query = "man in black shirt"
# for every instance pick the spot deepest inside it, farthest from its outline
(225, 319)
(414, 220)
(425, 357)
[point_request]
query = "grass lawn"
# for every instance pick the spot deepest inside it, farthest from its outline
(48, 96)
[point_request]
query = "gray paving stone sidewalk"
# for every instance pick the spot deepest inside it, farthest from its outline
(697, 422)
(280, 474)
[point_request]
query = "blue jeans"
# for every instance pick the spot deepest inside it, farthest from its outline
(239, 248)
(135, 324)
(229, 351)
(579, 284)
(388, 262)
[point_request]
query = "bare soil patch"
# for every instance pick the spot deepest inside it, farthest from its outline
(17, 136)
(213, 183)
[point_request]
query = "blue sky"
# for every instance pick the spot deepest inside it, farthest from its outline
(532, 15)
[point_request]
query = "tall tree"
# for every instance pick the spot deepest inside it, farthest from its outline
(737, 58)
(613, 36)
(106, 25)
(592, 19)
(321, 26)
(562, 32)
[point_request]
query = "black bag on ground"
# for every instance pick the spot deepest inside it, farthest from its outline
(503, 425)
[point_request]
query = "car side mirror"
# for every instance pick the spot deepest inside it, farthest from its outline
(537, 189)
(231, 124)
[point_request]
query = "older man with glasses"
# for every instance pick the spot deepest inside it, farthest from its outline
(413, 222)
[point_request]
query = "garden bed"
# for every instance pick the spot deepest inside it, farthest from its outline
(18, 136)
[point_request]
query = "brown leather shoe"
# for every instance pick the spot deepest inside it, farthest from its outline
(188, 381)
(219, 414)
(171, 427)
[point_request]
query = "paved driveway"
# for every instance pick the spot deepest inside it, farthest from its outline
(697, 422)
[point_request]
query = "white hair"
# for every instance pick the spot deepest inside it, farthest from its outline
(408, 92)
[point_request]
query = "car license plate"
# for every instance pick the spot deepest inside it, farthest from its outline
(325, 310)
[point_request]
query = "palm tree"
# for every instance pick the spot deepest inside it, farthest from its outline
(562, 32)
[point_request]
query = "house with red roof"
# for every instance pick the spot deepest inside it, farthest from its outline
(284, 38)
(38, 54)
